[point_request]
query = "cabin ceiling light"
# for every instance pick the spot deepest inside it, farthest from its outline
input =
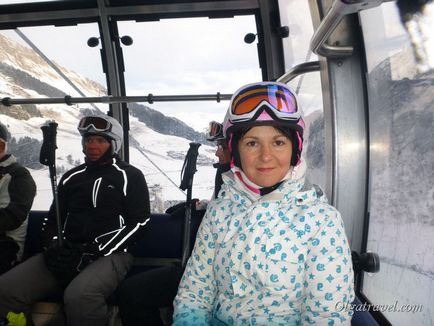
(282, 31)
(250, 38)
(125, 40)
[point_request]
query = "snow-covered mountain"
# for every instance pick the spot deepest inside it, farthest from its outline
(157, 150)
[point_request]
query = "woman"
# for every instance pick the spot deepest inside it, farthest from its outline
(270, 250)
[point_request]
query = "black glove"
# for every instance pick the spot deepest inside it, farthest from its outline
(173, 210)
(179, 209)
(65, 262)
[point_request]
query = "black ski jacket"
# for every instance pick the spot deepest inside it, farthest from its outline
(104, 206)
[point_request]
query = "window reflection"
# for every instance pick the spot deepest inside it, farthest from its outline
(307, 86)
(401, 158)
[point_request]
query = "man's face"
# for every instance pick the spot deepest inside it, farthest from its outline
(95, 147)
(222, 152)
(2, 149)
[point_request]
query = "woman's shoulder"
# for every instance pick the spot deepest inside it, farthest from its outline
(219, 208)
(312, 199)
(217, 203)
(311, 194)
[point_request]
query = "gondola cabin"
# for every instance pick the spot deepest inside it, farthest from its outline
(363, 72)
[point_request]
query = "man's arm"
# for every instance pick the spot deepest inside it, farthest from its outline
(21, 190)
(136, 216)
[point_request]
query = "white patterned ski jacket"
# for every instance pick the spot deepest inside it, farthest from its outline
(279, 259)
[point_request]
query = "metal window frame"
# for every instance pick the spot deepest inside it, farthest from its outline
(346, 124)
(338, 10)
(71, 12)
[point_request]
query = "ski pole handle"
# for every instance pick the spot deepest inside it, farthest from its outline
(47, 155)
(189, 167)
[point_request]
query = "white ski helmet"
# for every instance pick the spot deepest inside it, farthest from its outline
(102, 125)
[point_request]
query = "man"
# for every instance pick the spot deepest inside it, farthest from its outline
(104, 206)
(215, 133)
(17, 191)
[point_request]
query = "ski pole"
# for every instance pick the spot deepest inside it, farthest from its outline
(47, 157)
(189, 169)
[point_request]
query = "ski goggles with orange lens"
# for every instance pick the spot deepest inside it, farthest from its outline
(98, 124)
(215, 131)
(249, 101)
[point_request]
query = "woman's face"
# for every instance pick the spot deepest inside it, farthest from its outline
(265, 155)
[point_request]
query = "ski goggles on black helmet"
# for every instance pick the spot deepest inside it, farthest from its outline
(97, 124)
(215, 131)
(276, 98)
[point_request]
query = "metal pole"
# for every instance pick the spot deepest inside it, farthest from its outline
(150, 98)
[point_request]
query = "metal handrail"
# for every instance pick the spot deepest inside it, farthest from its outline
(331, 20)
(150, 98)
(299, 69)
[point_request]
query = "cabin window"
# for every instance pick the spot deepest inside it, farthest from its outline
(401, 162)
(48, 61)
(307, 86)
(190, 56)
